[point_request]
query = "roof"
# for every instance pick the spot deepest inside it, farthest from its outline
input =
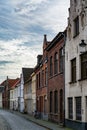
(26, 73)
(56, 39)
(10, 82)
(13, 82)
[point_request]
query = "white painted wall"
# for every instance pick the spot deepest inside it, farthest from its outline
(22, 94)
(0, 100)
(71, 51)
(33, 92)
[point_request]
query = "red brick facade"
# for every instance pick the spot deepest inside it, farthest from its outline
(41, 81)
(56, 79)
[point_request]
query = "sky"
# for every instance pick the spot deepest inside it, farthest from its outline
(22, 26)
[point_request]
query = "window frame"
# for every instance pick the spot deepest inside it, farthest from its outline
(61, 60)
(56, 63)
(51, 102)
(83, 66)
(78, 108)
(76, 26)
(46, 76)
(55, 101)
(70, 108)
(73, 70)
(51, 66)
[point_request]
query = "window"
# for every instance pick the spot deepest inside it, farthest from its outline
(51, 101)
(61, 60)
(78, 108)
(84, 66)
(51, 66)
(56, 63)
(46, 76)
(55, 102)
(70, 108)
(76, 26)
(75, 1)
(42, 78)
(37, 81)
(73, 70)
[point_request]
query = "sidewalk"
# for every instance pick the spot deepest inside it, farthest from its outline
(48, 125)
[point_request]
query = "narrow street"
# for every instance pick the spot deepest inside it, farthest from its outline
(10, 121)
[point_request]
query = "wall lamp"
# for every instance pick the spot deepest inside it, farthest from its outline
(82, 46)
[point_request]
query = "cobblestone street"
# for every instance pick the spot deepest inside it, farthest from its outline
(13, 120)
(9, 121)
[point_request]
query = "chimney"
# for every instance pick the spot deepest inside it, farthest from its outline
(45, 39)
(39, 57)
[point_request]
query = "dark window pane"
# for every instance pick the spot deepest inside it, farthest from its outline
(61, 60)
(55, 102)
(76, 26)
(70, 108)
(78, 108)
(51, 101)
(56, 63)
(73, 70)
(84, 66)
(51, 66)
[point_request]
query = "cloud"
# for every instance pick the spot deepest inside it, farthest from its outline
(22, 26)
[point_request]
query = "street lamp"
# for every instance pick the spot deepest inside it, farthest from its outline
(82, 46)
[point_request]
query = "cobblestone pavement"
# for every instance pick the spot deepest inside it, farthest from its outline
(3, 124)
(16, 122)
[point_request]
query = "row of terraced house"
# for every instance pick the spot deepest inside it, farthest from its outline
(57, 86)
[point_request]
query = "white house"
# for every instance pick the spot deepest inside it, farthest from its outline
(33, 87)
(76, 66)
(22, 93)
(14, 84)
(24, 77)
(1, 91)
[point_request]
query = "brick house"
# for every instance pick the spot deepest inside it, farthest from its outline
(56, 79)
(41, 82)
(8, 84)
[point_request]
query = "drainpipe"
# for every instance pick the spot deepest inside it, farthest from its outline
(63, 34)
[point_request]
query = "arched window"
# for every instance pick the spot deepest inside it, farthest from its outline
(55, 101)
(51, 66)
(56, 63)
(51, 101)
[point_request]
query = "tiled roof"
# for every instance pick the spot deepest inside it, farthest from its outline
(11, 82)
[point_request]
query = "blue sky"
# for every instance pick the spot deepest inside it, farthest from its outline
(22, 26)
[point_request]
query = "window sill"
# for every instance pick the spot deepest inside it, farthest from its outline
(60, 73)
(74, 120)
(75, 35)
(73, 82)
(55, 114)
(82, 79)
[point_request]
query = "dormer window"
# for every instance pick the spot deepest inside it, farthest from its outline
(76, 26)
(75, 1)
